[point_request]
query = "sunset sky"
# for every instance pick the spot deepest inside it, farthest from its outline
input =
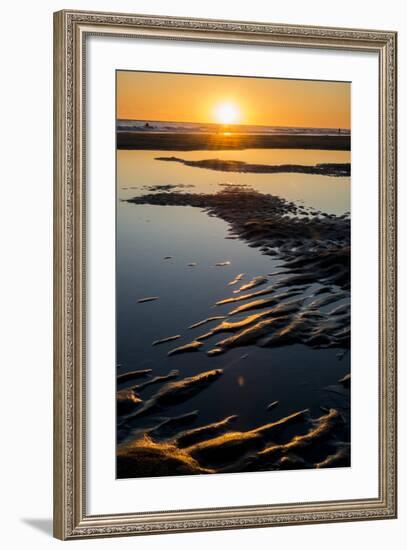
(196, 98)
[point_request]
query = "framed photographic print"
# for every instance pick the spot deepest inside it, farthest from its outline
(225, 267)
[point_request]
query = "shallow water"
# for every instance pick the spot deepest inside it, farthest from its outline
(136, 169)
(253, 377)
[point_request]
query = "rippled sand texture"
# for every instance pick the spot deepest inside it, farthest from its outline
(166, 445)
(306, 302)
(315, 246)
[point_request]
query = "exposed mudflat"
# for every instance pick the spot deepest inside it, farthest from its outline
(315, 246)
(326, 169)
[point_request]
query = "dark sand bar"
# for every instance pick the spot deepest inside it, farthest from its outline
(324, 169)
(166, 141)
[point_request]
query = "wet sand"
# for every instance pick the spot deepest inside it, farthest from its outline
(307, 302)
(200, 141)
(325, 169)
(314, 245)
(166, 446)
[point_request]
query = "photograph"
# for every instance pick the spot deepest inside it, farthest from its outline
(233, 274)
(225, 300)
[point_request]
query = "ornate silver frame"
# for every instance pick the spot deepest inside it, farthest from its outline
(70, 31)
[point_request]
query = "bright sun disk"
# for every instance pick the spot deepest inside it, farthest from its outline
(226, 113)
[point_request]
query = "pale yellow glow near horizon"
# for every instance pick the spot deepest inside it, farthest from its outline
(226, 113)
(176, 97)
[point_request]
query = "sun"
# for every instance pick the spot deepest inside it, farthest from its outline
(226, 113)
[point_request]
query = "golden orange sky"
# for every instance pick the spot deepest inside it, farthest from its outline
(267, 101)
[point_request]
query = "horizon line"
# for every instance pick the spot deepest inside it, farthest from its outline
(235, 124)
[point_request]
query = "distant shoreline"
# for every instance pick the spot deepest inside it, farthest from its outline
(166, 141)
